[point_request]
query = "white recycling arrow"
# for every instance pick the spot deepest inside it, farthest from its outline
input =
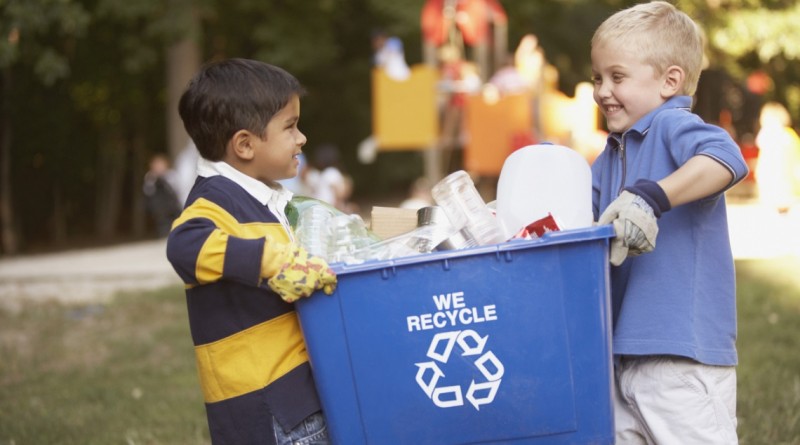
(488, 398)
(436, 375)
(450, 338)
(456, 400)
(480, 342)
(499, 369)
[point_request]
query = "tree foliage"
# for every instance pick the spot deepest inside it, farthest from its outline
(85, 92)
(764, 32)
(41, 34)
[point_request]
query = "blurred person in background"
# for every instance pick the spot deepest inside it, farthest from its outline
(326, 180)
(508, 79)
(778, 165)
(186, 170)
(390, 56)
(160, 190)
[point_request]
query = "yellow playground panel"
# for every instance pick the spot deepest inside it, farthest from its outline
(492, 130)
(405, 115)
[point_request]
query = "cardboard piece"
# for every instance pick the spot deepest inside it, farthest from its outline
(386, 222)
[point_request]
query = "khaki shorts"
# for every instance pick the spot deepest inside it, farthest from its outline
(674, 400)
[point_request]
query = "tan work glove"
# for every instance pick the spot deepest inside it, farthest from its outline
(634, 215)
(293, 273)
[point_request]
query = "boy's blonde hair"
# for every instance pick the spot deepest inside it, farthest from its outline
(662, 34)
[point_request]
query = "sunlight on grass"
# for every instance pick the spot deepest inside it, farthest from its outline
(769, 364)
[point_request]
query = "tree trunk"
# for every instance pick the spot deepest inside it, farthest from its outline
(59, 219)
(183, 61)
(8, 233)
(138, 216)
(111, 169)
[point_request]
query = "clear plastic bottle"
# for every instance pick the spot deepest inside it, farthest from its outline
(465, 208)
(421, 240)
(348, 235)
(314, 230)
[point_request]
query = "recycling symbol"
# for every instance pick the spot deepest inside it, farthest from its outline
(471, 344)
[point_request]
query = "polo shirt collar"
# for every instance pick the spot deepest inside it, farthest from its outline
(277, 195)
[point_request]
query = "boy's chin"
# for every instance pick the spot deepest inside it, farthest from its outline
(619, 128)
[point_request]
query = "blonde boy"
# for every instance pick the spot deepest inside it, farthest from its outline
(663, 173)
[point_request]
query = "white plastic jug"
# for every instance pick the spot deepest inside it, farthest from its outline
(541, 179)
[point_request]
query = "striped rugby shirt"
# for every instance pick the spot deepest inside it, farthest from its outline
(250, 353)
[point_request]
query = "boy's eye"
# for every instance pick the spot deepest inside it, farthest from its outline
(597, 79)
(617, 78)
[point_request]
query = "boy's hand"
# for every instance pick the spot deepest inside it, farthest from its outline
(293, 273)
(635, 226)
(634, 214)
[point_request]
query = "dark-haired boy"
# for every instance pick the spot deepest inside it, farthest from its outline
(234, 249)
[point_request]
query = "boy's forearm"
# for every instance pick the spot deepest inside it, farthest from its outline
(202, 254)
(700, 177)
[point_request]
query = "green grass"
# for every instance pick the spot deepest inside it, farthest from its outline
(124, 372)
(769, 352)
(121, 373)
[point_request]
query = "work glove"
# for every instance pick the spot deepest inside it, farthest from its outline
(634, 215)
(292, 273)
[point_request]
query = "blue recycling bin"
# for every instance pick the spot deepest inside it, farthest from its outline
(509, 343)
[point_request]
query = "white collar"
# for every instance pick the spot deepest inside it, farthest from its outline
(278, 195)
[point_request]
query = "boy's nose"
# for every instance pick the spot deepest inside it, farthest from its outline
(602, 90)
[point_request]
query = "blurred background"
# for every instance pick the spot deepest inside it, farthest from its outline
(89, 91)
(94, 161)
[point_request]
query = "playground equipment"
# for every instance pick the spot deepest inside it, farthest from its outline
(479, 24)
(404, 112)
(450, 100)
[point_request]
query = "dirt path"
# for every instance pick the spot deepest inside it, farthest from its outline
(85, 275)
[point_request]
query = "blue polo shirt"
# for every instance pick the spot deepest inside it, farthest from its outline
(679, 299)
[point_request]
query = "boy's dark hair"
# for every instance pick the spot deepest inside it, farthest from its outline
(232, 95)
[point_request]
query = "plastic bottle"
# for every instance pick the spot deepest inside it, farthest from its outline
(348, 235)
(465, 208)
(314, 230)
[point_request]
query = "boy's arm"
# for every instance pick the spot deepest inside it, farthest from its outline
(203, 247)
(700, 177)
(635, 212)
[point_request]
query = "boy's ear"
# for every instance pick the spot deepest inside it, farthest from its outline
(242, 145)
(673, 81)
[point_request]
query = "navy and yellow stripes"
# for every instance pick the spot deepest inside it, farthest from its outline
(214, 228)
(238, 364)
(247, 339)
